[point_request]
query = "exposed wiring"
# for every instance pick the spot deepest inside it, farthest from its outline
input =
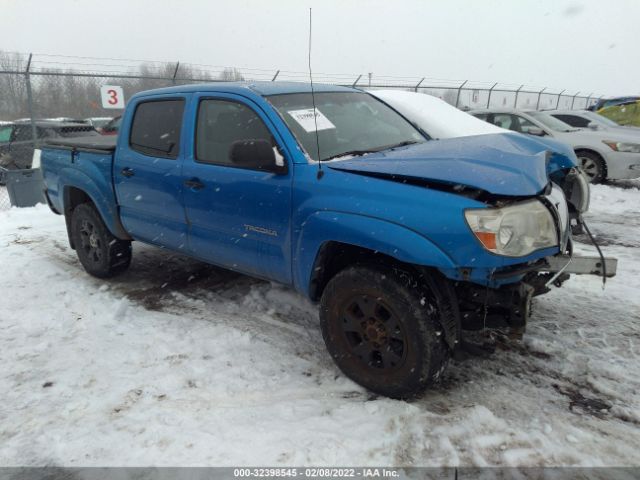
(561, 271)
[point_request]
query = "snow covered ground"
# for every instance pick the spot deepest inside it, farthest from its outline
(180, 363)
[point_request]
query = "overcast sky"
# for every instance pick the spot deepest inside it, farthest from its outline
(586, 45)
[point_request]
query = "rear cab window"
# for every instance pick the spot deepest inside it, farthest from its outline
(156, 128)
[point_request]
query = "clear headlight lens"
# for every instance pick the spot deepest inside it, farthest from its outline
(514, 231)
(623, 146)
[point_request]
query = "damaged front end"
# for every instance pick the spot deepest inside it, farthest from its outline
(524, 200)
(505, 301)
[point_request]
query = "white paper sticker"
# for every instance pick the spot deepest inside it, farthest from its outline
(305, 119)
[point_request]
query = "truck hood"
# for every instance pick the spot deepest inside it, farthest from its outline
(502, 164)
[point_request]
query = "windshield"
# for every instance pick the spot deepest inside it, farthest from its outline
(349, 123)
(602, 120)
(552, 122)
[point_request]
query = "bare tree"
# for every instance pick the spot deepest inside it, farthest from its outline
(60, 92)
(13, 89)
(230, 75)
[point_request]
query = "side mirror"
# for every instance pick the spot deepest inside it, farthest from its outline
(592, 126)
(537, 131)
(256, 154)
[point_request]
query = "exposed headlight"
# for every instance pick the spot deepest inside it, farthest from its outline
(623, 146)
(514, 231)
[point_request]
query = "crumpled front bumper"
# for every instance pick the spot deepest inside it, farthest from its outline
(580, 265)
(509, 305)
(570, 264)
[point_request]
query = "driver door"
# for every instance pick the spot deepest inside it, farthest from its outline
(237, 217)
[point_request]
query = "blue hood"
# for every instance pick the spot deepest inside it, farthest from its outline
(503, 164)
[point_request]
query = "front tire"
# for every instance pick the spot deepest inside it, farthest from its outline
(382, 329)
(100, 253)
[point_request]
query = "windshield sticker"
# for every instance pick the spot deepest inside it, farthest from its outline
(305, 119)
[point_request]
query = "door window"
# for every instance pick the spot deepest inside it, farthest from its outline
(504, 120)
(574, 120)
(156, 128)
(523, 125)
(220, 124)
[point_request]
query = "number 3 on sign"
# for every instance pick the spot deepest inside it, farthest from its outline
(112, 96)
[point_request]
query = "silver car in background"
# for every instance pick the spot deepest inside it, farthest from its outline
(604, 154)
(591, 120)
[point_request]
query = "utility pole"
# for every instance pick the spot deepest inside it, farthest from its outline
(27, 77)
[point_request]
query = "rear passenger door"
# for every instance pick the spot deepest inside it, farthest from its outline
(238, 217)
(147, 171)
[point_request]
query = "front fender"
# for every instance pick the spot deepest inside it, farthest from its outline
(371, 233)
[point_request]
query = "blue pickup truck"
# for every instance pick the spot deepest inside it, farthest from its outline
(404, 241)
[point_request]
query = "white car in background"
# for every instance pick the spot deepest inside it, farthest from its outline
(591, 120)
(604, 154)
(434, 116)
(439, 120)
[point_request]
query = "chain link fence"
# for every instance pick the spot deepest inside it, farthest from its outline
(54, 86)
(37, 90)
(5, 203)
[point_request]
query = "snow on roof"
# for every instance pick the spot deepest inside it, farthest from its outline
(435, 116)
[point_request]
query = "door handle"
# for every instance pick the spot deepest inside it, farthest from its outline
(194, 184)
(127, 172)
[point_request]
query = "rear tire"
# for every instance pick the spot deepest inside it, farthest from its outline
(382, 329)
(101, 254)
(593, 166)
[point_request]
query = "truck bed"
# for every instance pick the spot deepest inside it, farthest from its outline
(83, 164)
(106, 143)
